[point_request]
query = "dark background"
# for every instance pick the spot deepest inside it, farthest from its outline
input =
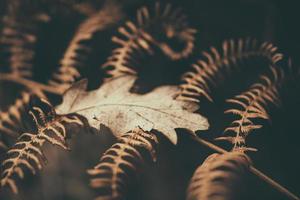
(64, 176)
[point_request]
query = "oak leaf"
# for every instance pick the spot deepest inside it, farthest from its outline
(114, 106)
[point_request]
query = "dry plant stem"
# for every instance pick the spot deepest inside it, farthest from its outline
(252, 169)
(32, 85)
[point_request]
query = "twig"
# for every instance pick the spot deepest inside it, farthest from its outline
(252, 169)
(273, 183)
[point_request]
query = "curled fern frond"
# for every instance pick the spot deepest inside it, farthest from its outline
(121, 163)
(11, 118)
(217, 64)
(18, 40)
(27, 153)
(219, 177)
(251, 105)
(75, 56)
(172, 25)
(137, 39)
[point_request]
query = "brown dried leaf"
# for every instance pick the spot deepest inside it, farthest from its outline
(115, 107)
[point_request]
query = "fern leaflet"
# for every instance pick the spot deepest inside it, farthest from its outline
(11, 117)
(252, 105)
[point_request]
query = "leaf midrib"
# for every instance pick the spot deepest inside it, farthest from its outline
(134, 105)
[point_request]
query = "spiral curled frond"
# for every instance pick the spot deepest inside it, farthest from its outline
(10, 120)
(121, 163)
(217, 64)
(172, 24)
(219, 177)
(137, 39)
(251, 105)
(27, 154)
(75, 56)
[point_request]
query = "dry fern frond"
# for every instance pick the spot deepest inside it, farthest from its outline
(10, 118)
(252, 105)
(75, 56)
(17, 41)
(214, 67)
(123, 59)
(20, 43)
(219, 177)
(27, 153)
(121, 163)
(135, 40)
(172, 24)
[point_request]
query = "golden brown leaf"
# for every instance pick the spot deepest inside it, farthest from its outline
(114, 106)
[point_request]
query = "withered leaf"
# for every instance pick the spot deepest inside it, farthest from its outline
(114, 106)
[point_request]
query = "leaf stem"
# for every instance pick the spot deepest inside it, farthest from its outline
(252, 169)
(273, 183)
(32, 85)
